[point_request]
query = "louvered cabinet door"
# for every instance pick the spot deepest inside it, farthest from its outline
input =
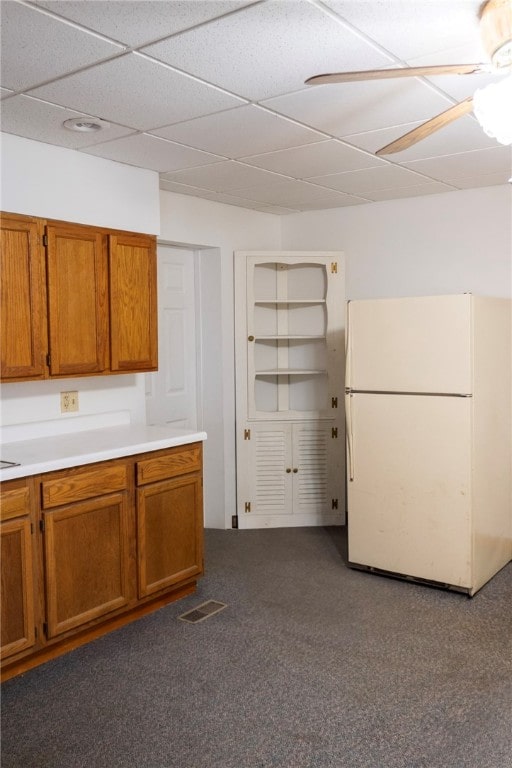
(290, 474)
(317, 470)
(268, 475)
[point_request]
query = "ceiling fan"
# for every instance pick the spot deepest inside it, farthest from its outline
(496, 31)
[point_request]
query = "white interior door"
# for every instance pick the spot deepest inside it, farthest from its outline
(171, 392)
(409, 485)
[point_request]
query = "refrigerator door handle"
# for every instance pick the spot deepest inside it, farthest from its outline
(348, 356)
(350, 436)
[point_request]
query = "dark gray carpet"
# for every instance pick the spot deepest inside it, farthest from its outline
(311, 665)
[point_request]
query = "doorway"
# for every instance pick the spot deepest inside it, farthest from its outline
(172, 392)
(188, 391)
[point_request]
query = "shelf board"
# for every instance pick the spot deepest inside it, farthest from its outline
(290, 337)
(291, 372)
(287, 302)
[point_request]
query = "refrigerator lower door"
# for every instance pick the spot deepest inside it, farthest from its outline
(409, 499)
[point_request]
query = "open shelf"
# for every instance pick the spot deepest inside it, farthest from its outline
(291, 372)
(290, 337)
(287, 302)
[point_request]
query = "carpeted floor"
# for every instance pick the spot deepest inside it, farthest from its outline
(311, 665)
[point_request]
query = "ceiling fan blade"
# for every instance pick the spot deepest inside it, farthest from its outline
(426, 129)
(383, 74)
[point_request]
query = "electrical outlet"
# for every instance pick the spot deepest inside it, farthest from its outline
(68, 402)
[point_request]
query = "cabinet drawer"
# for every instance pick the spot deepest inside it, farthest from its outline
(85, 485)
(14, 503)
(177, 462)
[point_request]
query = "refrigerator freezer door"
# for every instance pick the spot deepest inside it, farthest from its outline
(420, 344)
(409, 500)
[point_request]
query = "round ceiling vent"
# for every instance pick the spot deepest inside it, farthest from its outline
(85, 124)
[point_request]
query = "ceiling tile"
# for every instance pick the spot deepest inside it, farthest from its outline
(460, 136)
(38, 120)
(332, 202)
(484, 180)
(24, 64)
(267, 49)
(182, 189)
(314, 160)
(275, 209)
(242, 131)
(394, 24)
(151, 152)
(136, 92)
(431, 188)
(221, 197)
(370, 179)
(296, 194)
(460, 87)
(138, 22)
(465, 164)
(193, 114)
(225, 176)
(347, 108)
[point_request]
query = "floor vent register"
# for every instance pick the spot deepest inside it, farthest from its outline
(203, 611)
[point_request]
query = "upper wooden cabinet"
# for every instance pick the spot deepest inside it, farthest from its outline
(23, 299)
(76, 300)
(133, 315)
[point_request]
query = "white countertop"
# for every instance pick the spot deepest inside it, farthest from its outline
(46, 454)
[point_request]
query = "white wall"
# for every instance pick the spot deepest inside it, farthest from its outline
(217, 230)
(454, 242)
(55, 183)
(42, 180)
(451, 243)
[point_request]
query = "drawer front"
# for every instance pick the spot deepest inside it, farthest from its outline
(178, 462)
(86, 485)
(14, 503)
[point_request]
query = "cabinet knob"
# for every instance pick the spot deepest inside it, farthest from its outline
(288, 470)
(251, 338)
(295, 470)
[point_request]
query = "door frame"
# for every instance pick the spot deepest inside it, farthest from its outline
(210, 404)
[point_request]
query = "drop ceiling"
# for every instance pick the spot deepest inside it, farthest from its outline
(211, 95)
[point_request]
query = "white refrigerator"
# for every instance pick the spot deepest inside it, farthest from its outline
(428, 415)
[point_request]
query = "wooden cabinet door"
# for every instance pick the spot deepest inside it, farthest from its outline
(77, 300)
(86, 561)
(170, 533)
(133, 303)
(23, 299)
(17, 575)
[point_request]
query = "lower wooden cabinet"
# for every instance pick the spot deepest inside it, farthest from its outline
(108, 543)
(18, 597)
(169, 537)
(86, 557)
